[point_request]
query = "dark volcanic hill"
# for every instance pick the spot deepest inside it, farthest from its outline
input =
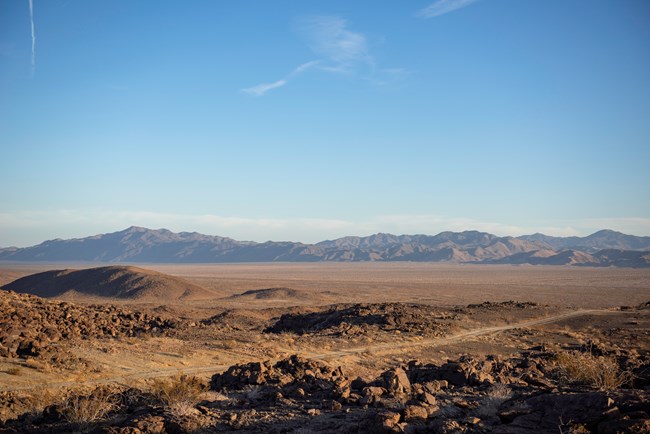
(138, 245)
(115, 282)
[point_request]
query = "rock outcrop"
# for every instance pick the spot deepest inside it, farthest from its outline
(342, 319)
(470, 394)
(29, 325)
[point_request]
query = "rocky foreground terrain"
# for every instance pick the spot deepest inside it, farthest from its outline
(31, 326)
(536, 391)
(566, 379)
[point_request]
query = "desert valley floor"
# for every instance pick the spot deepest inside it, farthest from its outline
(331, 347)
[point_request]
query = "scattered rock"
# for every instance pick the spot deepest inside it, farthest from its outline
(396, 381)
(28, 324)
(346, 320)
(388, 420)
(295, 393)
(414, 412)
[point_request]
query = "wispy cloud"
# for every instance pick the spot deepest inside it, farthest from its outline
(442, 7)
(302, 68)
(31, 18)
(261, 89)
(330, 38)
(339, 49)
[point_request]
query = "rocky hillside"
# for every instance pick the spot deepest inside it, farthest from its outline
(602, 249)
(525, 393)
(30, 325)
(116, 282)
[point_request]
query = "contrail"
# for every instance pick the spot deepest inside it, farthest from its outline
(31, 17)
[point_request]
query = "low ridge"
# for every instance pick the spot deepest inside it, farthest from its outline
(282, 294)
(269, 293)
(114, 282)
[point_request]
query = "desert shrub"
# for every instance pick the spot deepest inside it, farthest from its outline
(85, 409)
(496, 395)
(254, 392)
(579, 428)
(449, 412)
(14, 370)
(572, 428)
(180, 389)
(39, 365)
(600, 372)
(229, 344)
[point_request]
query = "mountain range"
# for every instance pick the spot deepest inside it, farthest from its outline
(142, 245)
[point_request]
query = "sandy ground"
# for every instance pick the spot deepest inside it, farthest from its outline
(430, 283)
(575, 305)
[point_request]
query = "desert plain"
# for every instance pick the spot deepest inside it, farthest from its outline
(332, 347)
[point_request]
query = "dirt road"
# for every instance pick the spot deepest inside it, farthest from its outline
(440, 341)
(375, 349)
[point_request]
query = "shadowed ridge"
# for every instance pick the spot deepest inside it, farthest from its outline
(268, 293)
(282, 295)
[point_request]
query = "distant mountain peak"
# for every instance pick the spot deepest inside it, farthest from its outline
(606, 232)
(137, 244)
(137, 229)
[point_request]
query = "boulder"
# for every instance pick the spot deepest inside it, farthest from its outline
(396, 381)
(415, 412)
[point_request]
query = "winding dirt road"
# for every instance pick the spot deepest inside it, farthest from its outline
(375, 349)
(440, 341)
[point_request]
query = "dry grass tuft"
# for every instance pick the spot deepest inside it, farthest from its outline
(14, 370)
(572, 428)
(496, 395)
(38, 365)
(600, 372)
(86, 409)
(229, 344)
(178, 390)
(180, 394)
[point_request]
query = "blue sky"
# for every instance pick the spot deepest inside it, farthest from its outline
(304, 121)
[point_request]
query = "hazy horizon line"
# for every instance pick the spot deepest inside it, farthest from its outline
(396, 234)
